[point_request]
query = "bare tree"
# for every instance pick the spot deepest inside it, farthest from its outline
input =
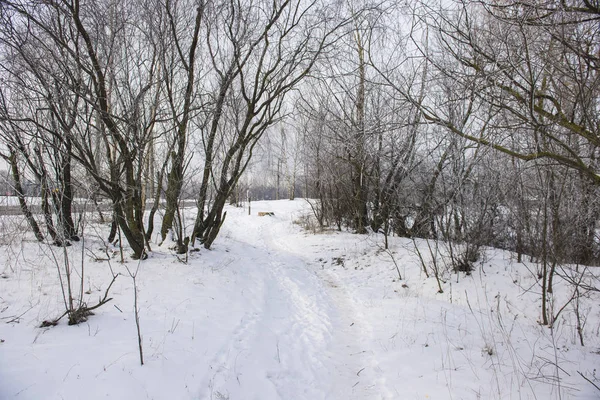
(180, 54)
(517, 75)
(257, 59)
(101, 104)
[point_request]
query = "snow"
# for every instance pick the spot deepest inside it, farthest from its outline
(14, 200)
(277, 312)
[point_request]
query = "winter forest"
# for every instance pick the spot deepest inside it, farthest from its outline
(300, 199)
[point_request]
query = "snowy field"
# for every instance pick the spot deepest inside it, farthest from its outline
(278, 312)
(14, 201)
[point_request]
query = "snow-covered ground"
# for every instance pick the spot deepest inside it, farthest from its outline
(14, 200)
(276, 312)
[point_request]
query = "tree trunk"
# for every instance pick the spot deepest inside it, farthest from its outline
(360, 187)
(21, 196)
(66, 195)
(156, 203)
(57, 237)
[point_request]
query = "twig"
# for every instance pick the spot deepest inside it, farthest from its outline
(137, 321)
(587, 379)
(133, 276)
(16, 318)
(105, 299)
(278, 355)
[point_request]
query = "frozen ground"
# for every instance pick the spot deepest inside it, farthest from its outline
(276, 312)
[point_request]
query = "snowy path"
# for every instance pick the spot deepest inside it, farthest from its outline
(301, 337)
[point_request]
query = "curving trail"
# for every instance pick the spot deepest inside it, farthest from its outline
(301, 336)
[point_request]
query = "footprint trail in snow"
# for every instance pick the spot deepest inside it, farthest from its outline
(301, 337)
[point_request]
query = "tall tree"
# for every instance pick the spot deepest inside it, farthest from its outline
(261, 55)
(180, 56)
(105, 65)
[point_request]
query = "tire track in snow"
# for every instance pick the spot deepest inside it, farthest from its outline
(356, 359)
(276, 350)
(303, 333)
(301, 336)
(226, 375)
(349, 351)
